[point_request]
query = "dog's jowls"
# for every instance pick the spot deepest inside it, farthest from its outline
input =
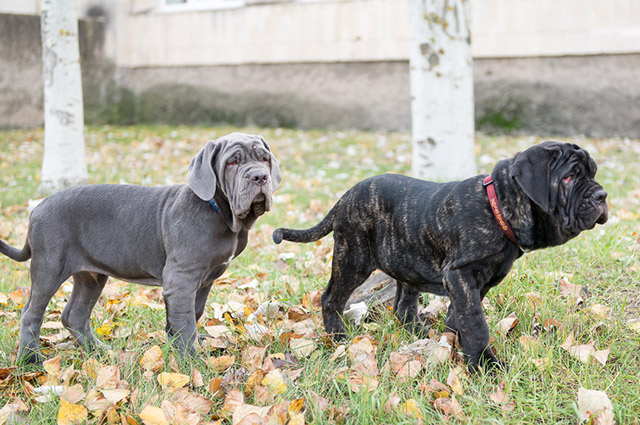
(443, 237)
(178, 237)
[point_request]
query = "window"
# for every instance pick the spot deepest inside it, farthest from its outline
(177, 5)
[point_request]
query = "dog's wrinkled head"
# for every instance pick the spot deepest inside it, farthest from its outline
(242, 167)
(560, 179)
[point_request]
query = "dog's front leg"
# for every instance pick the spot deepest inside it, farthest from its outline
(466, 317)
(179, 292)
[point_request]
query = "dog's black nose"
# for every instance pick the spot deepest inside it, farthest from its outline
(600, 195)
(259, 177)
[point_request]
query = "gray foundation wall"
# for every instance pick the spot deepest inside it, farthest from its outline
(591, 95)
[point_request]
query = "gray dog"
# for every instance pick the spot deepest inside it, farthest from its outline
(180, 237)
(457, 239)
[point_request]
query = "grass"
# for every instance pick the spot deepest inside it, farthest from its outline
(318, 166)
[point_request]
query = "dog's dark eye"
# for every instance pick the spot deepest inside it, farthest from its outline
(567, 179)
(265, 159)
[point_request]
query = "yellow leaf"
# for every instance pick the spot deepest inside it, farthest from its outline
(172, 381)
(70, 414)
(274, 382)
(152, 359)
(152, 415)
(411, 408)
(115, 395)
(106, 329)
(453, 381)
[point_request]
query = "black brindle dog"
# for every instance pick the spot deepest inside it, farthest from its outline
(449, 239)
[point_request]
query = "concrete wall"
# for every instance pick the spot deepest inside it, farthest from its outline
(541, 66)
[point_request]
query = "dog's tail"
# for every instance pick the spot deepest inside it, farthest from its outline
(316, 232)
(15, 253)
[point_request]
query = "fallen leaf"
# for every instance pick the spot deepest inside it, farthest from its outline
(598, 310)
(172, 381)
(152, 415)
(528, 342)
(233, 399)
(449, 406)
(361, 348)
(73, 394)
(392, 402)
(221, 363)
(411, 408)
(595, 406)
(453, 380)
(215, 388)
(534, 299)
(116, 395)
(506, 325)
(274, 382)
(247, 414)
(577, 293)
(69, 414)
(252, 357)
(108, 377)
(152, 359)
(340, 352)
(196, 378)
(302, 347)
(191, 402)
(635, 326)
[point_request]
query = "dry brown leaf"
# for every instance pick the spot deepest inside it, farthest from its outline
(341, 351)
(96, 402)
(598, 310)
(70, 414)
(528, 342)
(358, 381)
(453, 380)
(542, 362)
(576, 292)
(302, 347)
(634, 325)
(449, 406)
(152, 415)
(108, 377)
(196, 378)
(11, 412)
(252, 357)
(172, 381)
(221, 363)
(361, 348)
(190, 401)
(534, 299)
(312, 300)
(215, 388)
(152, 359)
(233, 399)
(506, 325)
(392, 402)
(247, 414)
(52, 369)
(73, 393)
(595, 406)
(115, 395)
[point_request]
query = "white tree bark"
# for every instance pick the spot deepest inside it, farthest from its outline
(64, 161)
(441, 90)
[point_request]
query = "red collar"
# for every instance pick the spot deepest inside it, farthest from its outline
(497, 212)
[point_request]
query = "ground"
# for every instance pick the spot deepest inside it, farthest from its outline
(564, 319)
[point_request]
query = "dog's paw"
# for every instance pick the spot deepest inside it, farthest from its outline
(488, 364)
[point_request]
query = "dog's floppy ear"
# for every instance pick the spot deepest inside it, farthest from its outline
(201, 177)
(531, 169)
(276, 175)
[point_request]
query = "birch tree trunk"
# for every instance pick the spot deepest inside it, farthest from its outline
(64, 162)
(441, 78)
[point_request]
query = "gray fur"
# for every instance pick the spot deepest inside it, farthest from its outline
(163, 236)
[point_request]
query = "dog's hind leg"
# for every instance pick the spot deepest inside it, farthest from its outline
(350, 268)
(405, 308)
(76, 315)
(46, 278)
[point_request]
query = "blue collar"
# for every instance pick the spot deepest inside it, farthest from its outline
(215, 206)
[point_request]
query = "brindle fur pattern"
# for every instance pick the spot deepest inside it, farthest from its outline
(442, 238)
